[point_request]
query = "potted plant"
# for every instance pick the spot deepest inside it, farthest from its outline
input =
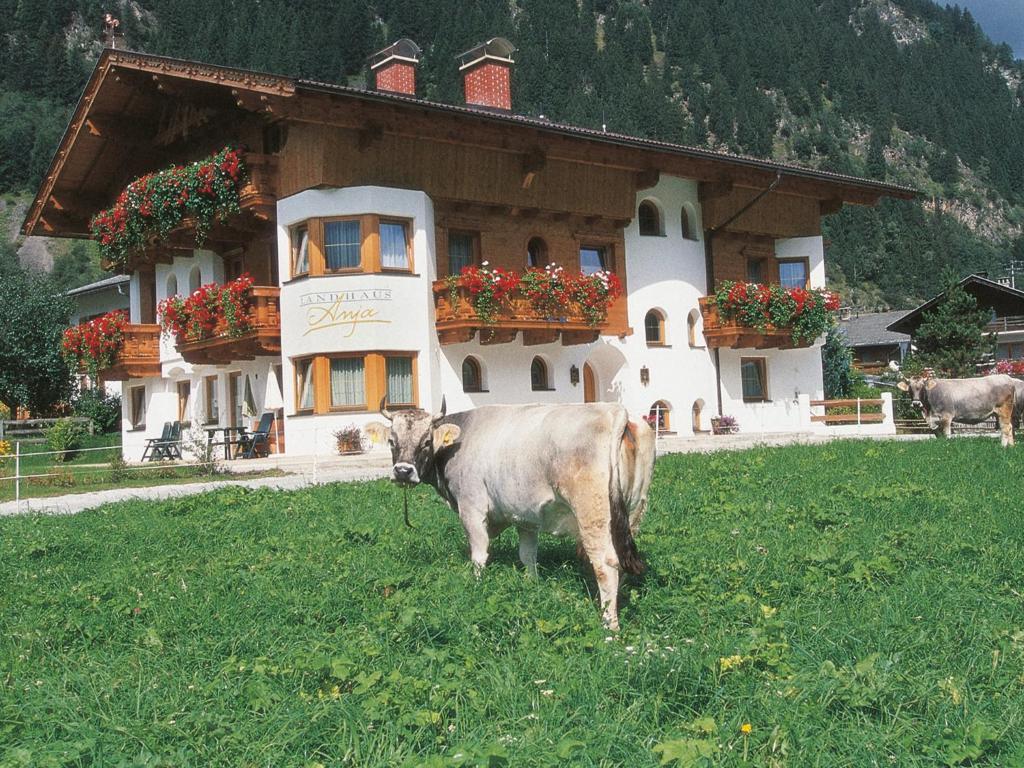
(724, 425)
(350, 440)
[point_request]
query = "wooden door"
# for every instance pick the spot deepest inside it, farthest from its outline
(234, 399)
(589, 384)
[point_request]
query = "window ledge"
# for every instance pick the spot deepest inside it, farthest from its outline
(137, 429)
(658, 345)
(476, 391)
(546, 389)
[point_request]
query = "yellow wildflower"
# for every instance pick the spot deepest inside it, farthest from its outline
(746, 728)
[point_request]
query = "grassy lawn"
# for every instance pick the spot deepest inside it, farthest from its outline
(90, 470)
(857, 604)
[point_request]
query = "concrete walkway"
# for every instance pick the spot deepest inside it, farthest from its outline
(304, 471)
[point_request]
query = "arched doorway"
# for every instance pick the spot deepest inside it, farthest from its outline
(589, 384)
(698, 409)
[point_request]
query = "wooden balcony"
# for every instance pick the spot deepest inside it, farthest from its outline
(139, 357)
(719, 332)
(457, 322)
(262, 338)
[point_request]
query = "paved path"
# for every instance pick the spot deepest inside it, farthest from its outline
(304, 471)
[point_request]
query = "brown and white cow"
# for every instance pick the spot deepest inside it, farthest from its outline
(577, 470)
(966, 401)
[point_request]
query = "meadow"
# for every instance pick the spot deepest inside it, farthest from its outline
(854, 604)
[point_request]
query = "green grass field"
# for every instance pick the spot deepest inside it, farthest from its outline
(857, 604)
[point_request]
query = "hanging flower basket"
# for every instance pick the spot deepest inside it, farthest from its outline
(806, 313)
(211, 311)
(153, 205)
(95, 345)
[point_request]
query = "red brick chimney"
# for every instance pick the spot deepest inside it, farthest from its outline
(487, 74)
(394, 68)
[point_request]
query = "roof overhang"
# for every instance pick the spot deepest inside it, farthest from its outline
(141, 112)
(1001, 299)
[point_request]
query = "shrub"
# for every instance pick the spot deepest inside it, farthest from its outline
(104, 410)
(66, 438)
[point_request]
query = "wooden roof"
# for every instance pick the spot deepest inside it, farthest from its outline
(1003, 300)
(141, 112)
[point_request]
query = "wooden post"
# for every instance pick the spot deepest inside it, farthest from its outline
(17, 474)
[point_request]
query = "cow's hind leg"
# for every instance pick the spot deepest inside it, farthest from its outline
(528, 549)
(593, 516)
(1004, 414)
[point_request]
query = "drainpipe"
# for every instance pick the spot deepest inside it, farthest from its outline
(709, 268)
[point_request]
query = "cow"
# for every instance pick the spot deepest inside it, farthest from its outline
(578, 470)
(966, 401)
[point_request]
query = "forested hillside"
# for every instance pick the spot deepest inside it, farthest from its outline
(898, 89)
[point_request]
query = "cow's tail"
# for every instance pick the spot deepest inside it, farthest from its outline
(631, 465)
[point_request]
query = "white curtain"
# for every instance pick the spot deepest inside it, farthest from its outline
(341, 244)
(302, 254)
(393, 251)
(399, 370)
(347, 381)
(304, 369)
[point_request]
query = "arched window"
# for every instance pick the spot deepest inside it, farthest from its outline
(539, 380)
(649, 219)
(172, 285)
(194, 279)
(698, 412)
(472, 377)
(691, 328)
(687, 225)
(659, 416)
(654, 328)
(536, 253)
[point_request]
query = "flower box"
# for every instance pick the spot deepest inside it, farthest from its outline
(758, 316)
(351, 441)
(724, 425)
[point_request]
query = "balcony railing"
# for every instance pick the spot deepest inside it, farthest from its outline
(1005, 324)
(719, 332)
(457, 321)
(261, 338)
(139, 356)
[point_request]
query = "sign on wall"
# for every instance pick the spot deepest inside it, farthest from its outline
(347, 310)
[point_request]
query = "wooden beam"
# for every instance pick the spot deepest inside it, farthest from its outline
(710, 190)
(831, 206)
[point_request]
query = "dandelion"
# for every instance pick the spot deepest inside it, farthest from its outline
(745, 729)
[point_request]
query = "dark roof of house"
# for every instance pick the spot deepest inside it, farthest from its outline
(872, 329)
(1003, 300)
(99, 285)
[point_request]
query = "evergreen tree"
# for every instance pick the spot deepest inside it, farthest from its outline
(951, 338)
(837, 364)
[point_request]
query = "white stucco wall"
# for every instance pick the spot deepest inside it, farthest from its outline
(395, 310)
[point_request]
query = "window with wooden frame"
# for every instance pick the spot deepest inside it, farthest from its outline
(211, 400)
(355, 382)
(539, 376)
(654, 328)
(304, 400)
(755, 270)
(366, 243)
(685, 224)
(794, 273)
(300, 250)
(137, 407)
(463, 250)
(754, 378)
(395, 245)
(537, 253)
(184, 395)
(649, 219)
(660, 416)
(472, 375)
(594, 258)
(691, 327)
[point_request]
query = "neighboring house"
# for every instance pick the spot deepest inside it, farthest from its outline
(361, 202)
(1005, 303)
(874, 346)
(94, 300)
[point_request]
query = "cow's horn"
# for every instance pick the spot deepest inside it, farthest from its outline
(444, 409)
(383, 408)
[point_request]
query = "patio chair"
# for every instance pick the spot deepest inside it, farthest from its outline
(153, 448)
(171, 449)
(261, 437)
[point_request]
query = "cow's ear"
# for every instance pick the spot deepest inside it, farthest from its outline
(931, 383)
(903, 386)
(377, 432)
(445, 435)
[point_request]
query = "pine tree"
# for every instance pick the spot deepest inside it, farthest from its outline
(951, 338)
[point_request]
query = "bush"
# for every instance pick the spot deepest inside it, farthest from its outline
(103, 409)
(66, 437)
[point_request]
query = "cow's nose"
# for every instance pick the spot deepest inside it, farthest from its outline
(916, 403)
(405, 473)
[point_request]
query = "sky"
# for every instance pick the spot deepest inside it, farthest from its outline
(1002, 20)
